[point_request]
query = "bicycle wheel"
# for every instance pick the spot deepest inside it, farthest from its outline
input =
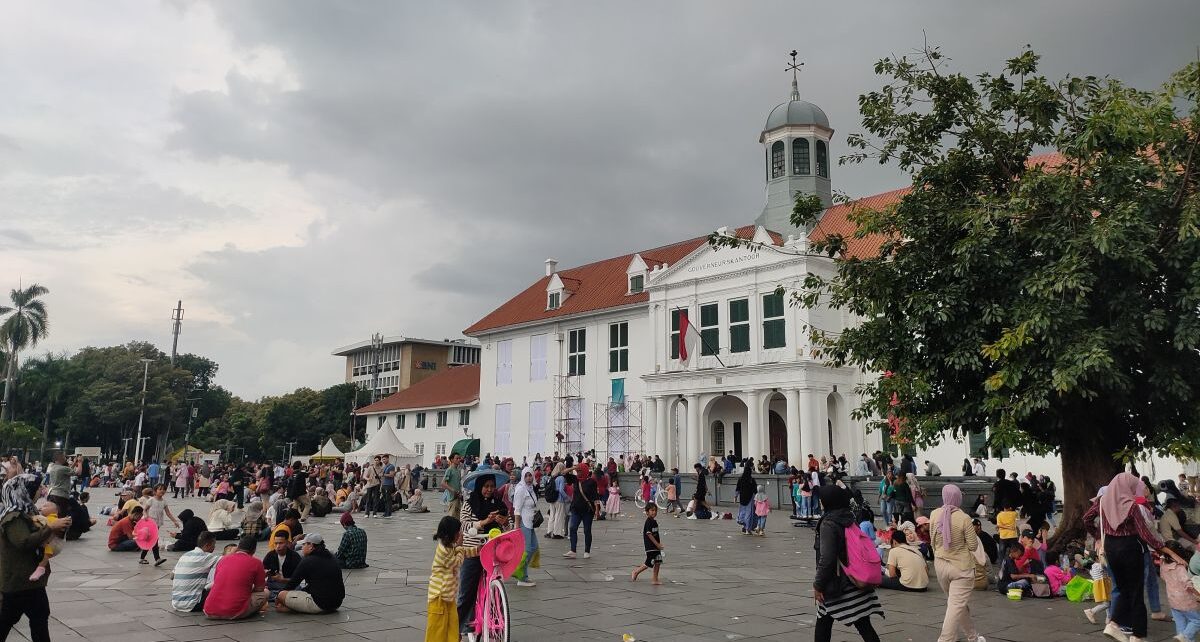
(639, 501)
(495, 628)
(661, 500)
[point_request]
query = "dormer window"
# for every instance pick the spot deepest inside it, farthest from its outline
(553, 300)
(637, 283)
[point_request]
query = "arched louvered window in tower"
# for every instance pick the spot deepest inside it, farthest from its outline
(800, 165)
(822, 160)
(777, 151)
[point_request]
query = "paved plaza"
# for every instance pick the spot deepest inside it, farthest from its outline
(719, 586)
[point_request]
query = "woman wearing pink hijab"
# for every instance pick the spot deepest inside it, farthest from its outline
(954, 543)
(1127, 531)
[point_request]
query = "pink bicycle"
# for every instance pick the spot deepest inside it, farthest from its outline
(499, 557)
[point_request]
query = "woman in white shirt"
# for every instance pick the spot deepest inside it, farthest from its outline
(524, 501)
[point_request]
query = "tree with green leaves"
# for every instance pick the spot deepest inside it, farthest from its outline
(26, 325)
(1053, 304)
(45, 382)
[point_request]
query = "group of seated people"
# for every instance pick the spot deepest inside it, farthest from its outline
(236, 585)
(221, 526)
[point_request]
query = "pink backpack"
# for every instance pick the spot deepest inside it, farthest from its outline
(863, 563)
(762, 508)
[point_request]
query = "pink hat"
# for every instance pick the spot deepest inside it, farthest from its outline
(922, 521)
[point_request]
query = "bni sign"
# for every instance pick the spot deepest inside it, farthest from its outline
(426, 365)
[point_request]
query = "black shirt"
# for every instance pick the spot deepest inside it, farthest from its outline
(582, 502)
(298, 486)
(648, 529)
(324, 578)
(290, 561)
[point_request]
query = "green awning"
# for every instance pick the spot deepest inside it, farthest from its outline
(466, 448)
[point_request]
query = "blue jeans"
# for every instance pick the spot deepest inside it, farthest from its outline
(531, 546)
(885, 510)
(1151, 582)
(586, 520)
(1187, 623)
(1021, 584)
(745, 516)
(760, 522)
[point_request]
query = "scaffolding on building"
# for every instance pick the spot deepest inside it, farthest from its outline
(568, 415)
(617, 429)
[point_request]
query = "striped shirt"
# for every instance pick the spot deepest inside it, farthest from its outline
(443, 578)
(190, 577)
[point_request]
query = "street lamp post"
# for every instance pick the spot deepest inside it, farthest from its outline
(137, 448)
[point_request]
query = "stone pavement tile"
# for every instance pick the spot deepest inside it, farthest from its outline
(405, 634)
(365, 626)
(194, 633)
(131, 636)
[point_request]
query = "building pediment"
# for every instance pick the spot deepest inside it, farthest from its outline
(707, 262)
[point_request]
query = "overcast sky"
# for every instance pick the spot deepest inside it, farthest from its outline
(303, 174)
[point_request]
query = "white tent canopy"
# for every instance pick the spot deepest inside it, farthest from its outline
(384, 442)
(329, 451)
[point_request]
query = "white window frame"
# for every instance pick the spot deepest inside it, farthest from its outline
(400, 421)
(419, 447)
(464, 417)
(641, 283)
(538, 357)
(553, 300)
(442, 418)
(503, 427)
(420, 420)
(439, 448)
(537, 426)
(504, 362)
(619, 350)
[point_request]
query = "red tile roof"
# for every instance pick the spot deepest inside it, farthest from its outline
(595, 286)
(451, 387)
(836, 219)
(602, 285)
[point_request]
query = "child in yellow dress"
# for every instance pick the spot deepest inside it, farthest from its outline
(49, 515)
(442, 625)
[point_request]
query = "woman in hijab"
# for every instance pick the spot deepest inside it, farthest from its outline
(954, 544)
(838, 598)
(556, 525)
(482, 512)
(746, 488)
(21, 549)
(524, 509)
(1126, 530)
(918, 494)
(220, 520)
(191, 527)
(254, 524)
(967, 469)
(352, 550)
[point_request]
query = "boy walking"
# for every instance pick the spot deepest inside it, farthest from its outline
(653, 545)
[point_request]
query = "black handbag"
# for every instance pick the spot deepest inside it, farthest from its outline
(538, 518)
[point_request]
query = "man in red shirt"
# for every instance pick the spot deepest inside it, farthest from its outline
(120, 537)
(239, 587)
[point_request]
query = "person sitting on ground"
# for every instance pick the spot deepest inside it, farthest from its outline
(324, 589)
(1011, 575)
(352, 551)
(320, 503)
(239, 588)
(220, 520)
(189, 581)
(1171, 526)
(988, 542)
(416, 502)
(906, 567)
(120, 537)
(290, 526)
(1032, 558)
(187, 536)
(254, 524)
(280, 564)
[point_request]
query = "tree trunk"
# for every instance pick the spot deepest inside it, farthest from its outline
(45, 431)
(1087, 464)
(10, 377)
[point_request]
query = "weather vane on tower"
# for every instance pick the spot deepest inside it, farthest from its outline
(794, 67)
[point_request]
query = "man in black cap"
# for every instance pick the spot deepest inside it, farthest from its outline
(323, 590)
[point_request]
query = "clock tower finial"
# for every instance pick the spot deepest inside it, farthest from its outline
(794, 67)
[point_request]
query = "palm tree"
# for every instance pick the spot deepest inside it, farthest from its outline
(24, 327)
(45, 380)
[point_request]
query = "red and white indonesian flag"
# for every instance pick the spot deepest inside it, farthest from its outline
(689, 337)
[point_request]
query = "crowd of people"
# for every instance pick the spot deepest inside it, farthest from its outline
(1138, 532)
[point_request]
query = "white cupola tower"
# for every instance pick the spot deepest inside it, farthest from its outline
(796, 155)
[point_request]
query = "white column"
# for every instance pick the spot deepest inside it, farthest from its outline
(795, 452)
(754, 440)
(663, 438)
(650, 421)
(691, 453)
(812, 422)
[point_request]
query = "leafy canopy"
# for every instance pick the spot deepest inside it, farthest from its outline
(1054, 302)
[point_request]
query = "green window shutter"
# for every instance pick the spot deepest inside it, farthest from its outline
(739, 338)
(739, 310)
(773, 334)
(710, 340)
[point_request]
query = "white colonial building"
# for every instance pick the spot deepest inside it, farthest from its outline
(589, 357)
(430, 415)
